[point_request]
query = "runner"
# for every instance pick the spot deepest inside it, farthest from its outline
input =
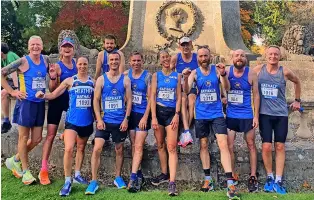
(65, 68)
(113, 88)
(165, 106)
(240, 116)
(140, 121)
(29, 111)
(182, 62)
(209, 116)
(110, 45)
(273, 116)
(79, 120)
(7, 57)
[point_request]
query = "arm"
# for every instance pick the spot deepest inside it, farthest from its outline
(256, 98)
(188, 81)
(175, 121)
(99, 62)
(297, 88)
(153, 101)
(148, 82)
(53, 84)
(128, 97)
(97, 98)
(224, 80)
(173, 62)
(122, 62)
(59, 90)
(126, 72)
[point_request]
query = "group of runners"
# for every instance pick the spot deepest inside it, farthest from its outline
(188, 88)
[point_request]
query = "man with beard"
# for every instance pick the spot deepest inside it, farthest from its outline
(209, 117)
(273, 114)
(239, 110)
(110, 45)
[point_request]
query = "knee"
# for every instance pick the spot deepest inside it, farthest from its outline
(251, 145)
(80, 148)
(267, 148)
(231, 146)
(184, 99)
(119, 150)
(161, 146)
(223, 145)
(97, 151)
(50, 137)
(23, 138)
(204, 146)
(68, 149)
(36, 141)
(138, 148)
(172, 148)
(280, 147)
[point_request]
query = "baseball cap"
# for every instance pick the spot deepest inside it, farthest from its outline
(67, 40)
(184, 39)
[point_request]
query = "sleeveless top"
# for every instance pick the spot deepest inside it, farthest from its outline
(181, 65)
(272, 88)
(66, 73)
(239, 96)
(34, 79)
(113, 100)
(80, 111)
(139, 92)
(208, 103)
(167, 89)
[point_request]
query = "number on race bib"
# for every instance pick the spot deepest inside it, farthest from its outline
(83, 103)
(136, 99)
(38, 84)
(167, 95)
(208, 97)
(235, 98)
(269, 93)
(114, 104)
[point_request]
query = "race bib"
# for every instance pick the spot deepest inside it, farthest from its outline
(269, 92)
(169, 95)
(235, 97)
(83, 103)
(113, 104)
(208, 97)
(38, 84)
(136, 99)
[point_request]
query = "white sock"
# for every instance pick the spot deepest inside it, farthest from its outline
(270, 175)
(278, 178)
(68, 179)
(77, 173)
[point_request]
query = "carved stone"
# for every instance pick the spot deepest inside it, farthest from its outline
(304, 131)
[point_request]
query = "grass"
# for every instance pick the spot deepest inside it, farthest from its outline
(13, 189)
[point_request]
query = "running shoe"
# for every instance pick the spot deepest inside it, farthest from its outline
(269, 185)
(185, 139)
(5, 127)
(92, 187)
(80, 180)
(28, 178)
(15, 167)
(172, 189)
(44, 177)
(208, 186)
(140, 181)
(119, 182)
(236, 179)
(66, 189)
(232, 192)
(252, 184)
(278, 187)
(133, 186)
(162, 178)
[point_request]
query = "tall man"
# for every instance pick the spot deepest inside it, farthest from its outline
(182, 62)
(102, 64)
(113, 89)
(209, 115)
(240, 116)
(30, 111)
(7, 57)
(273, 116)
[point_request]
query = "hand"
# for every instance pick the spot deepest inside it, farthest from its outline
(221, 68)
(143, 123)
(175, 122)
(155, 123)
(224, 100)
(100, 125)
(40, 95)
(186, 72)
(255, 122)
(18, 94)
(124, 125)
(295, 106)
(52, 71)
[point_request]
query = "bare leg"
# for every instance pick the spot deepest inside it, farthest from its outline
(231, 138)
(191, 103)
(69, 142)
(138, 153)
(119, 158)
(132, 138)
(204, 153)
(225, 157)
(250, 140)
(185, 117)
(172, 137)
(51, 134)
(160, 139)
(280, 158)
(267, 157)
(5, 103)
(99, 143)
(80, 150)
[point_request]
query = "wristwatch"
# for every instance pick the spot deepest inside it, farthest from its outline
(224, 74)
(127, 118)
(298, 100)
(178, 112)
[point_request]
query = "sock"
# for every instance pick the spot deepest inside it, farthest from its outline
(207, 172)
(187, 130)
(230, 179)
(6, 119)
(24, 171)
(133, 176)
(15, 159)
(278, 179)
(67, 179)
(139, 173)
(270, 175)
(171, 182)
(77, 173)
(44, 165)
(208, 178)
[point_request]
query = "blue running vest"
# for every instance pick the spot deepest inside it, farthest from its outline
(208, 103)
(167, 89)
(139, 92)
(80, 112)
(181, 65)
(113, 100)
(105, 65)
(66, 72)
(239, 96)
(34, 79)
